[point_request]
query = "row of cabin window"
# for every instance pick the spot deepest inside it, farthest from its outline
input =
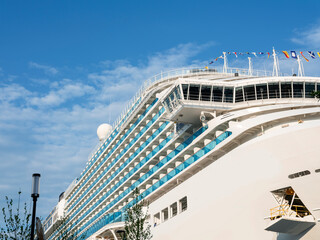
(249, 92)
(171, 211)
(302, 173)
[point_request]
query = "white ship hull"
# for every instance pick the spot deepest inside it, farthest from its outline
(231, 198)
(217, 155)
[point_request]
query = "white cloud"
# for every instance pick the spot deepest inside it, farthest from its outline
(309, 37)
(47, 69)
(61, 95)
(9, 93)
(51, 128)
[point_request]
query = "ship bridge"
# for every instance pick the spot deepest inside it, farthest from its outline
(190, 97)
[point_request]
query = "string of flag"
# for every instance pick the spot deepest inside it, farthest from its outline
(292, 54)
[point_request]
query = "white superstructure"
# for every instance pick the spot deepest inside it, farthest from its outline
(230, 154)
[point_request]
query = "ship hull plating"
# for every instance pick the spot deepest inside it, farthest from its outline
(231, 199)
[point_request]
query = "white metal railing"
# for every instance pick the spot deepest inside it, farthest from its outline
(183, 72)
(163, 76)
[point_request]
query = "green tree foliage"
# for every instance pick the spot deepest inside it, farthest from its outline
(315, 94)
(136, 226)
(15, 223)
(64, 233)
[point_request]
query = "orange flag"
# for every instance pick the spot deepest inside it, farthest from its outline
(286, 54)
(304, 57)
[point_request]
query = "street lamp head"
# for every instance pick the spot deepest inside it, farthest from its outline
(35, 185)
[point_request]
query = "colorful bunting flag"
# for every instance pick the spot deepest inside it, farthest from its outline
(206, 67)
(286, 54)
(211, 62)
(293, 54)
(318, 54)
(255, 54)
(235, 54)
(261, 53)
(268, 54)
(311, 54)
(304, 57)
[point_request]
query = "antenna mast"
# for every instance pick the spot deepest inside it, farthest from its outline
(301, 69)
(250, 67)
(225, 63)
(276, 68)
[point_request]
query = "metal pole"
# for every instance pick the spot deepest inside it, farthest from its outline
(33, 217)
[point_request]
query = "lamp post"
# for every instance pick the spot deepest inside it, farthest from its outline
(34, 195)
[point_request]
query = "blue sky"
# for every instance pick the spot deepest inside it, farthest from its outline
(68, 66)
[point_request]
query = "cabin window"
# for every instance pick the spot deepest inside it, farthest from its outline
(194, 92)
(174, 209)
(249, 93)
(318, 87)
(228, 94)
(274, 90)
(299, 174)
(165, 214)
(310, 87)
(286, 90)
(185, 88)
(262, 91)
(298, 89)
(217, 94)
(317, 170)
(239, 94)
(205, 93)
(156, 219)
(183, 204)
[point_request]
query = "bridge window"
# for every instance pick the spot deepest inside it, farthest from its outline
(156, 219)
(262, 91)
(249, 93)
(177, 92)
(205, 93)
(183, 204)
(318, 87)
(185, 88)
(228, 94)
(165, 214)
(298, 89)
(286, 90)
(274, 90)
(217, 94)
(310, 87)
(239, 94)
(174, 209)
(194, 92)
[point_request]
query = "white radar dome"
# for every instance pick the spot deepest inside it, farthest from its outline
(103, 131)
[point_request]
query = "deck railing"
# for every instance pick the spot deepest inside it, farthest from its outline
(163, 76)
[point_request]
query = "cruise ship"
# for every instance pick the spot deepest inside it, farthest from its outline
(217, 153)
